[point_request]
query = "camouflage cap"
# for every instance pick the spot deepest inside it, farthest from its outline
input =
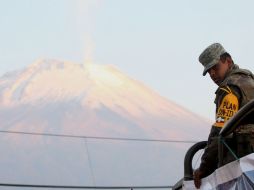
(211, 56)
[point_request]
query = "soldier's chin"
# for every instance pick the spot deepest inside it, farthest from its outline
(217, 82)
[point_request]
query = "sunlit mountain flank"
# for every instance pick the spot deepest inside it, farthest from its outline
(59, 97)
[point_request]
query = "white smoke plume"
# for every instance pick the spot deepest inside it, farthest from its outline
(86, 13)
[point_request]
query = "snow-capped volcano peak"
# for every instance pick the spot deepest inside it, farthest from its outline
(51, 80)
(95, 71)
(97, 92)
(47, 79)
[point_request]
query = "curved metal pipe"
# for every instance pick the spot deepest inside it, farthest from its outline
(188, 170)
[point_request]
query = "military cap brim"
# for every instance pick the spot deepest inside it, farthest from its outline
(209, 66)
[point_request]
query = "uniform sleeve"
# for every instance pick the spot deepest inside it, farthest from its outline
(227, 107)
(209, 159)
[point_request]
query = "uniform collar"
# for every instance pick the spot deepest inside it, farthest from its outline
(230, 71)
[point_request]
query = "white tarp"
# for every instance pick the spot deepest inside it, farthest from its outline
(233, 176)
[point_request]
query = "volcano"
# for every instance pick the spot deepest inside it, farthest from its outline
(65, 98)
(68, 98)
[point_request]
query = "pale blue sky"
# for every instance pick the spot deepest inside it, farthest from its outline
(155, 41)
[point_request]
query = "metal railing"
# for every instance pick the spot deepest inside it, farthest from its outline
(82, 187)
(244, 116)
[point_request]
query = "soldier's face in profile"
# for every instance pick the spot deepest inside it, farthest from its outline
(218, 72)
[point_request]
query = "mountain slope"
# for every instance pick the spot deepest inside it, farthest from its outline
(90, 100)
(60, 97)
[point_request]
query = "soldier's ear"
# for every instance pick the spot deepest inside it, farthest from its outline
(228, 61)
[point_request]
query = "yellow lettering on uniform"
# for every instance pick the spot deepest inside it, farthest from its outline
(225, 104)
(228, 107)
(231, 113)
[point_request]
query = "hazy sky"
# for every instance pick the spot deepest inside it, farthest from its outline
(155, 41)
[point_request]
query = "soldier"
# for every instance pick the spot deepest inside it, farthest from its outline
(235, 89)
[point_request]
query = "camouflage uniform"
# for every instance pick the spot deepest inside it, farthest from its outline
(234, 92)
